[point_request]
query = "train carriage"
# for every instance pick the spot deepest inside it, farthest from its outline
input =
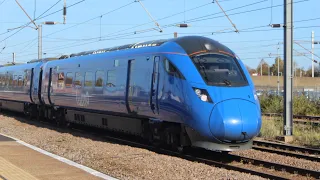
(187, 91)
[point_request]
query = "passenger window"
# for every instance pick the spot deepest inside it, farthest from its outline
(20, 83)
(61, 80)
(172, 70)
(111, 81)
(69, 80)
(15, 82)
(99, 78)
(88, 79)
(1, 80)
(25, 78)
(116, 63)
(78, 79)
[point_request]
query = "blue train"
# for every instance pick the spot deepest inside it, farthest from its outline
(187, 91)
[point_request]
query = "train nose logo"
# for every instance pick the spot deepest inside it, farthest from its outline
(82, 99)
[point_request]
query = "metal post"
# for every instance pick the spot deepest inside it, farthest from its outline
(64, 11)
(288, 47)
(13, 57)
(268, 71)
(39, 41)
(312, 51)
(278, 70)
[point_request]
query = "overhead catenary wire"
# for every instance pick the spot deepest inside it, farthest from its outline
(227, 16)
(180, 13)
(204, 33)
(2, 2)
(38, 18)
(225, 32)
(307, 49)
(126, 35)
(96, 17)
(156, 23)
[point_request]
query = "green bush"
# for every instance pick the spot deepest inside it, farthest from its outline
(301, 105)
(271, 104)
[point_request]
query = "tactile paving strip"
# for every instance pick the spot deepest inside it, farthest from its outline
(9, 171)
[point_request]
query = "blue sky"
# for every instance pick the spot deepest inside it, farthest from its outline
(85, 29)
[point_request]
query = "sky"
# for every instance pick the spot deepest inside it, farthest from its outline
(97, 24)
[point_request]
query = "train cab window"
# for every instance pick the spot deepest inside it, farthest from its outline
(88, 79)
(111, 80)
(69, 79)
(172, 70)
(20, 81)
(78, 79)
(99, 78)
(220, 70)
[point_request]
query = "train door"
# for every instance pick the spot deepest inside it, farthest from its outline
(142, 86)
(130, 88)
(50, 88)
(31, 82)
(35, 84)
(154, 104)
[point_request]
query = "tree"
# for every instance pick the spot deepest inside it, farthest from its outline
(250, 70)
(274, 67)
(316, 71)
(265, 68)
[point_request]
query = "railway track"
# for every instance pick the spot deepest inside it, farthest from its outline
(260, 168)
(315, 119)
(287, 150)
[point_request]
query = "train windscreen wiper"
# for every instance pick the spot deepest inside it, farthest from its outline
(227, 82)
(202, 68)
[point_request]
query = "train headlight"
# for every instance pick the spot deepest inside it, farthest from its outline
(202, 94)
(198, 92)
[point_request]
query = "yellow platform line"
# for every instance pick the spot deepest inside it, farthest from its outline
(8, 171)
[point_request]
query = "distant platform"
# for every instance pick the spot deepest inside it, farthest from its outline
(22, 161)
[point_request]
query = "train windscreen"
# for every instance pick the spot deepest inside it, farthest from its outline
(220, 70)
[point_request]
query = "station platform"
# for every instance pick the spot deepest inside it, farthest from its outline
(22, 161)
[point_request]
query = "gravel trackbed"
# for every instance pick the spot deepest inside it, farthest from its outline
(119, 161)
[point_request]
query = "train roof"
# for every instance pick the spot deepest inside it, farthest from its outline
(191, 44)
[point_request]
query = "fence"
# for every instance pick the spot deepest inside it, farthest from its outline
(311, 92)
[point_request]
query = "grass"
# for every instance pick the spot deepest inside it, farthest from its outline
(304, 134)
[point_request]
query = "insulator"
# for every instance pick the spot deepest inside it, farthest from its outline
(183, 25)
(276, 25)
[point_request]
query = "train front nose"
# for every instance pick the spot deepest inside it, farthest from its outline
(235, 120)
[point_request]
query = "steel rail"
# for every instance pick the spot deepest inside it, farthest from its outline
(277, 166)
(211, 158)
(316, 118)
(288, 150)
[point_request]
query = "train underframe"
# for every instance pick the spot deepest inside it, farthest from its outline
(154, 131)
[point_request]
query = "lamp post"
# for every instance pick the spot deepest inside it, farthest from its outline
(278, 59)
(39, 29)
(40, 36)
